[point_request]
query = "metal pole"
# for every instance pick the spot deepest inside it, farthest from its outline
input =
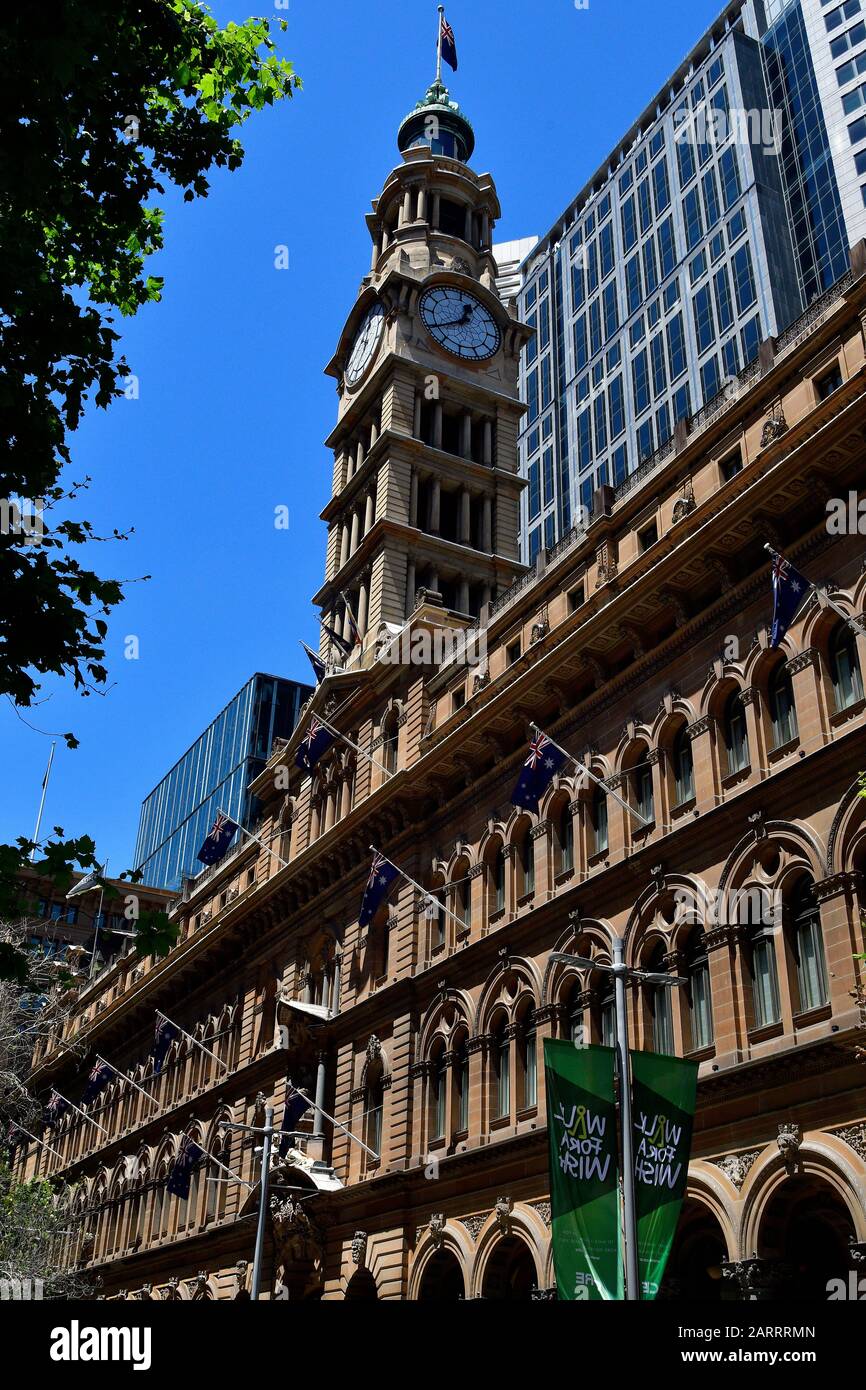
(608, 791)
(439, 45)
(96, 923)
(620, 974)
(267, 1133)
(42, 803)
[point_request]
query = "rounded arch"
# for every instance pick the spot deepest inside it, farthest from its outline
(802, 846)
(507, 985)
(453, 1240)
(821, 1156)
(445, 1016)
(501, 1243)
(590, 937)
(847, 838)
(671, 715)
(723, 680)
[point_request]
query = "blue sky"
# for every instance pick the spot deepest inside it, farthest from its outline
(233, 404)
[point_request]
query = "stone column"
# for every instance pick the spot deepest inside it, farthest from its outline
(435, 500)
(345, 544)
(485, 229)
(465, 517)
(369, 513)
(360, 456)
(407, 206)
(363, 595)
(421, 215)
(335, 985)
(437, 425)
(410, 587)
(488, 442)
(434, 217)
(466, 436)
(416, 414)
(374, 432)
(467, 230)
(318, 1122)
(701, 736)
(356, 526)
(487, 526)
(413, 497)
(463, 599)
(805, 672)
(842, 934)
(757, 751)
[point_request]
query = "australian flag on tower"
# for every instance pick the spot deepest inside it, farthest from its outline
(218, 840)
(449, 44)
(188, 1159)
(537, 773)
(311, 748)
(790, 591)
(382, 875)
(163, 1038)
(296, 1105)
(55, 1110)
(98, 1078)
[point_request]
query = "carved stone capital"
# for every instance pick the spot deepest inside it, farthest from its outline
(809, 657)
(700, 727)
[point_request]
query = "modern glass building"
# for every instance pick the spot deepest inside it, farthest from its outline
(727, 208)
(214, 775)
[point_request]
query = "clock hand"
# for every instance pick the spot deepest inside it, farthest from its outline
(468, 310)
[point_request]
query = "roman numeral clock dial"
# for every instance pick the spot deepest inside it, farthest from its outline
(460, 323)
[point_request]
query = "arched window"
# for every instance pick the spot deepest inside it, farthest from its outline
(526, 862)
(780, 697)
(565, 838)
(660, 1005)
(845, 667)
(684, 769)
(528, 1062)
(599, 820)
(501, 1070)
(390, 735)
(641, 786)
(499, 862)
(808, 947)
(461, 1086)
(438, 1093)
(698, 991)
(757, 912)
(607, 1013)
(576, 1021)
(735, 734)
(374, 1100)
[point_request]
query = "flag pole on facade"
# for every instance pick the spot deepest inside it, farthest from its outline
(429, 897)
(193, 1040)
(42, 803)
(124, 1077)
(72, 1106)
(98, 919)
(851, 618)
(439, 44)
(265, 847)
(41, 1142)
(363, 752)
(581, 767)
(338, 1125)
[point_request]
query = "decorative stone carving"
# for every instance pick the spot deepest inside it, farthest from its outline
(295, 1236)
(198, 1286)
(543, 1209)
(437, 1227)
(736, 1166)
(481, 678)
(475, 1224)
(539, 631)
(503, 1213)
(855, 1138)
(789, 1140)
(758, 1280)
(359, 1247)
(374, 1049)
(685, 504)
(802, 661)
(858, 1251)
(699, 727)
(774, 427)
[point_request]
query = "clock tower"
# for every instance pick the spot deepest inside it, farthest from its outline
(426, 490)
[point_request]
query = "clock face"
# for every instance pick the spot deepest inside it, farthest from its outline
(460, 323)
(365, 344)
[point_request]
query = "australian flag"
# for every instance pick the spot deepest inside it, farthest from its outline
(311, 748)
(449, 44)
(317, 664)
(382, 875)
(296, 1106)
(55, 1110)
(537, 773)
(218, 840)
(189, 1157)
(164, 1035)
(790, 591)
(96, 1081)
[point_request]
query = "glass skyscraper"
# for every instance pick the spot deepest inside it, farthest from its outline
(728, 207)
(214, 775)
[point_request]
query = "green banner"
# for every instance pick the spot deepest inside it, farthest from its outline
(581, 1123)
(663, 1108)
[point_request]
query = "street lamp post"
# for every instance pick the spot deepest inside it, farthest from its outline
(622, 975)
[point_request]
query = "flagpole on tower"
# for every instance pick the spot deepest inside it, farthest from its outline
(439, 45)
(42, 803)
